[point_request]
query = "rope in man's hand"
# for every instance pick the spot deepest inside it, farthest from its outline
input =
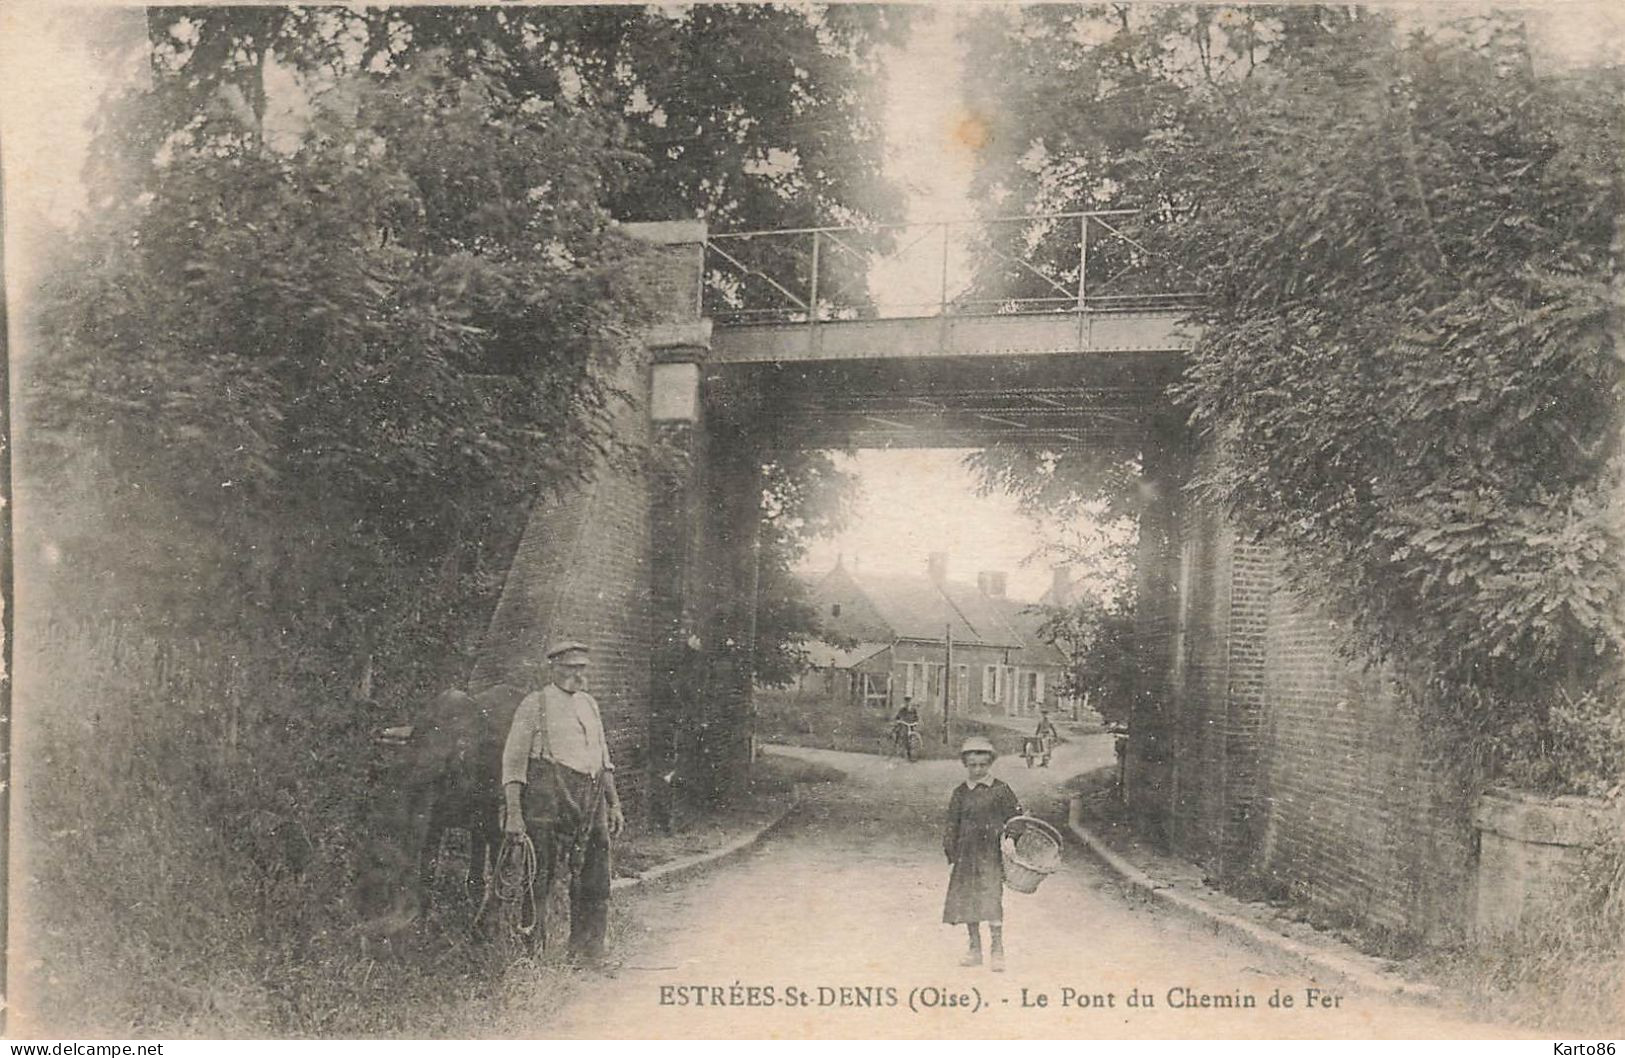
(513, 882)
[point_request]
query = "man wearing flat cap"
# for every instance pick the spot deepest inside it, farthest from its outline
(559, 785)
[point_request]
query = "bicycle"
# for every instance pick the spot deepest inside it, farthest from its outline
(905, 739)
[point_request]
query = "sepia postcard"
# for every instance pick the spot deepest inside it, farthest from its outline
(814, 521)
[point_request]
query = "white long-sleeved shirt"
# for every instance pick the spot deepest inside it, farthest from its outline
(559, 726)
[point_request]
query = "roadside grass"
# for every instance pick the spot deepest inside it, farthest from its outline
(1554, 973)
(775, 772)
(146, 894)
(698, 829)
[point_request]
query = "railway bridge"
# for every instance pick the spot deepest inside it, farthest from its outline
(1254, 748)
(771, 341)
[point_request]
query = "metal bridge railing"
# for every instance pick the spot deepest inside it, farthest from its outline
(1042, 263)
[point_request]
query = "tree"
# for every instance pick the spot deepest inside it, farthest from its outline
(1088, 502)
(1098, 641)
(349, 297)
(1405, 378)
(1143, 75)
(805, 495)
(392, 334)
(748, 115)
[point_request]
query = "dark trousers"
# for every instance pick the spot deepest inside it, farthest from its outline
(568, 819)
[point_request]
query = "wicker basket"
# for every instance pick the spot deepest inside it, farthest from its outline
(1032, 852)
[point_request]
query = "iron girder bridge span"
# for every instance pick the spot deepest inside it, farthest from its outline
(1074, 355)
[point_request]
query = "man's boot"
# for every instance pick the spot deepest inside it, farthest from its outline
(973, 954)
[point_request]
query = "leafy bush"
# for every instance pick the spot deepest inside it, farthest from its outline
(1407, 371)
(1407, 374)
(1578, 746)
(288, 412)
(318, 387)
(295, 384)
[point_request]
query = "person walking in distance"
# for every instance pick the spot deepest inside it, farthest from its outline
(559, 786)
(977, 812)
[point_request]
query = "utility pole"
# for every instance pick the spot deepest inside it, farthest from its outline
(947, 682)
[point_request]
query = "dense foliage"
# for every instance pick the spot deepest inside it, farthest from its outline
(348, 297)
(405, 312)
(751, 116)
(1102, 662)
(1407, 376)
(336, 372)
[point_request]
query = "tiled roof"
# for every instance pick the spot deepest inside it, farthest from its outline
(1026, 618)
(875, 607)
(823, 655)
(917, 608)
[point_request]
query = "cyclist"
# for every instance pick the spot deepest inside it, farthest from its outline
(1047, 734)
(907, 718)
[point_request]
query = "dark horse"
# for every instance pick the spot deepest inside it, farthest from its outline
(455, 778)
(441, 773)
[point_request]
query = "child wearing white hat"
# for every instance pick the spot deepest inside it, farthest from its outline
(977, 812)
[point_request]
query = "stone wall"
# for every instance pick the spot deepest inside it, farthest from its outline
(1532, 854)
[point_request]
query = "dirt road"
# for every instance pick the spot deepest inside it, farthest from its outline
(831, 928)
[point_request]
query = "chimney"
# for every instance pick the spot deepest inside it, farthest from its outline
(1061, 587)
(936, 565)
(991, 583)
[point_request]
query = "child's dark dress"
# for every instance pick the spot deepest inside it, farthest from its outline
(976, 814)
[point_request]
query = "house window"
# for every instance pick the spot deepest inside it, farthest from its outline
(835, 609)
(1031, 690)
(874, 690)
(996, 685)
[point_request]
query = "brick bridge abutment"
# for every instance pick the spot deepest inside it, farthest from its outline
(651, 562)
(1263, 751)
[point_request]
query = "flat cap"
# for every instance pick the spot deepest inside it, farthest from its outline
(978, 744)
(566, 646)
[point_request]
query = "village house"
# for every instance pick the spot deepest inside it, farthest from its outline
(888, 636)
